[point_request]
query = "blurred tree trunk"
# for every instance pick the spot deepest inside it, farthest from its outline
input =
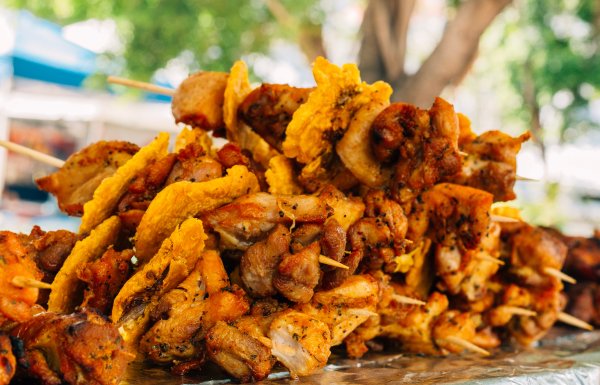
(383, 47)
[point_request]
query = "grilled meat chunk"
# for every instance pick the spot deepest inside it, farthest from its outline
(269, 109)
(74, 184)
(8, 362)
(298, 274)
(79, 348)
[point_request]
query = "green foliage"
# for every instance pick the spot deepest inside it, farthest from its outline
(560, 57)
(154, 31)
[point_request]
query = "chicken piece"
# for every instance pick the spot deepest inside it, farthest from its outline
(344, 308)
(547, 302)
(16, 260)
(584, 302)
(300, 342)
(491, 164)
(8, 362)
(375, 240)
(104, 278)
(422, 144)
(74, 184)
(421, 275)
(246, 220)
(456, 324)
(466, 272)
(51, 249)
(231, 154)
(269, 109)
(241, 355)
(298, 274)
(412, 326)
(346, 210)
(452, 215)
(77, 348)
(511, 295)
(198, 101)
(186, 313)
(530, 249)
(259, 263)
(194, 165)
(144, 187)
(583, 258)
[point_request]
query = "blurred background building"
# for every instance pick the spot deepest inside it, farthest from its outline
(509, 65)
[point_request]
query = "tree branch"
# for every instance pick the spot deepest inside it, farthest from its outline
(453, 54)
(383, 47)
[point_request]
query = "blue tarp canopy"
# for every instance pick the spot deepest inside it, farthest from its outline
(41, 52)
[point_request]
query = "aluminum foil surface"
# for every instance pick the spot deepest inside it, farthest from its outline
(563, 357)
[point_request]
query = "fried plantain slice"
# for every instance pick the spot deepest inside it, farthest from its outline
(107, 195)
(181, 200)
(66, 291)
(280, 177)
(190, 135)
(173, 262)
(74, 184)
(330, 107)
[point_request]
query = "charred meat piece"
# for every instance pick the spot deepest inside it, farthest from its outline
(83, 347)
(269, 109)
(259, 263)
(583, 258)
(8, 362)
(298, 274)
(491, 164)
(104, 278)
(422, 144)
(74, 184)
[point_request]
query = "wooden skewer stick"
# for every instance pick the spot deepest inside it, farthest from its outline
(408, 300)
(25, 282)
(518, 311)
(467, 345)
(502, 219)
(265, 341)
(362, 312)
(141, 85)
(525, 179)
(462, 153)
(488, 258)
(331, 262)
(559, 274)
(573, 321)
(33, 154)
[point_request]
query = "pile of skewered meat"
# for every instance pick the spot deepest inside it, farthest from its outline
(331, 218)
